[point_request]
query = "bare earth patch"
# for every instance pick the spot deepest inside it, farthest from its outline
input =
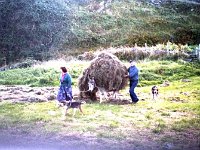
(140, 140)
(18, 140)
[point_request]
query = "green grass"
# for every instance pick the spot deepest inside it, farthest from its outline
(177, 109)
(160, 116)
(29, 76)
(187, 123)
(151, 73)
(46, 74)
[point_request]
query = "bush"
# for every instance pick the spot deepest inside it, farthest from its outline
(168, 51)
(43, 81)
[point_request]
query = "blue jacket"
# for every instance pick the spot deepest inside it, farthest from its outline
(67, 81)
(133, 73)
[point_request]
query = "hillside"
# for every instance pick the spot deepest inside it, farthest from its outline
(130, 22)
(42, 29)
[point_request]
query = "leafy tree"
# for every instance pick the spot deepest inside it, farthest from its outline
(28, 28)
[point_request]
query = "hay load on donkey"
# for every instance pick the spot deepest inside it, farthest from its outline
(106, 72)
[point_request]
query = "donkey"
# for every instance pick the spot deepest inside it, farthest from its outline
(92, 85)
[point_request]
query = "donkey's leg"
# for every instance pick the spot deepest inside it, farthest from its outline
(103, 94)
(101, 97)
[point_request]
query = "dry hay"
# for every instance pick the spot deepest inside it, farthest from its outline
(108, 72)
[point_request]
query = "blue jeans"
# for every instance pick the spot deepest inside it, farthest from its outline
(133, 84)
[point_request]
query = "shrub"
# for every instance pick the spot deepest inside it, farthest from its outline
(43, 81)
(168, 51)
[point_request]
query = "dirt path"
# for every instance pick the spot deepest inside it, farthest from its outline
(12, 140)
(20, 141)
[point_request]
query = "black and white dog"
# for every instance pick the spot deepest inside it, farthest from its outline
(154, 91)
(72, 104)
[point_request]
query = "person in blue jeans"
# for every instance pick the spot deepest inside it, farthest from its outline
(133, 74)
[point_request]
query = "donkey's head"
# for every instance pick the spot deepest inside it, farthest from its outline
(91, 83)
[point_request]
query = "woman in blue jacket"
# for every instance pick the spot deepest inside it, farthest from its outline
(65, 89)
(134, 77)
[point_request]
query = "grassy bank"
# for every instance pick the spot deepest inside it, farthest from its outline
(130, 22)
(47, 74)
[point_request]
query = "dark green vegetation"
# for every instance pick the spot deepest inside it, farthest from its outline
(151, 72)
(156, 72)
(32, 77)
(41, 29)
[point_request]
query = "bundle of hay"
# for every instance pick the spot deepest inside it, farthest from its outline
(108, 72)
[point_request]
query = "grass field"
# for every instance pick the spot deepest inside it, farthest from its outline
(173, 117)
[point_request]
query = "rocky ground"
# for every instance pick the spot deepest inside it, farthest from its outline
(22, 94)
(27, 94)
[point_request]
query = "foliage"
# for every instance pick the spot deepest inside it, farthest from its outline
(29, 76)
(137, 22)
(30, 28)
(24, 64)
(168, 51)
(40, 28)
(151, 73)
